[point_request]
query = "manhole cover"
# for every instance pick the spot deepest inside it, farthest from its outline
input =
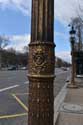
(72, 107)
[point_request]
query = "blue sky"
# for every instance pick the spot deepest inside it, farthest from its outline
(15, 23)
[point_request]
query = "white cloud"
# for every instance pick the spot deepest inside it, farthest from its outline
(64, 9)
(18, 42)
(21, 38)
(65, 55)
(22, 5)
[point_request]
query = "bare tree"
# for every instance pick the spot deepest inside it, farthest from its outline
(4, 41)
(26, 49)
(77, 22)
(78, 25)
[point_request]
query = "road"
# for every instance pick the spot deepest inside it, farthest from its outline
(14, 95)
(61, 77)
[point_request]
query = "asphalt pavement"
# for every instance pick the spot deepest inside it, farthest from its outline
(14, 95)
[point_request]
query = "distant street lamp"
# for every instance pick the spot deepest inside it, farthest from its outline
(72, 40)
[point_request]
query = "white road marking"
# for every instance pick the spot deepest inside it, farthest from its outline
(12, 77)
(9, 78)
(26, 82)
(11, 87)
(7, 88)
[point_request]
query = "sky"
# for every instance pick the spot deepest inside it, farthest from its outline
(15, 22)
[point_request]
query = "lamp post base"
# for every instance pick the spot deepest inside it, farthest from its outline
(72, 86)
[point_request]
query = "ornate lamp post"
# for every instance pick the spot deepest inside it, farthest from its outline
(41, 64)
(72, 40)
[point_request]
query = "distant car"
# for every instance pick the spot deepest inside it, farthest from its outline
(64, 68)
(23, 68)
(12, 68)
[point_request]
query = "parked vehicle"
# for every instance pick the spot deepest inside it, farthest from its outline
(64, 68)
(12, 68)
(23, 68)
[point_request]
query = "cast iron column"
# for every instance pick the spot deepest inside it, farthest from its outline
(72, 40)
(41, 63)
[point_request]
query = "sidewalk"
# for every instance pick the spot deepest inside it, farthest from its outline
(70, 110)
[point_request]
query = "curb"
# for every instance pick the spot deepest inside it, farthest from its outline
(59, 100)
